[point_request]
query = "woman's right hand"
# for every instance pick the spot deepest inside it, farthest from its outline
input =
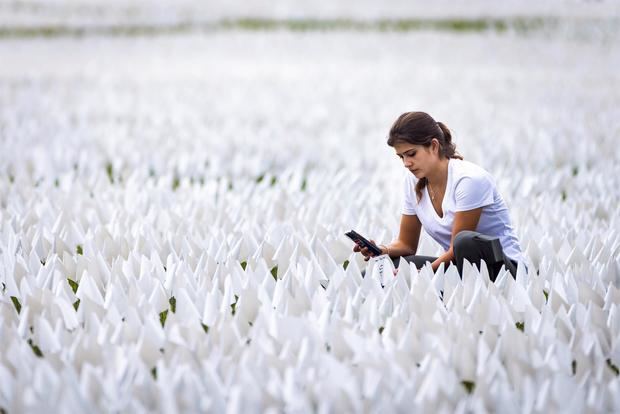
(367, 253)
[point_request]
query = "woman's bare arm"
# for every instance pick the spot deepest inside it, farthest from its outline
(463, 220)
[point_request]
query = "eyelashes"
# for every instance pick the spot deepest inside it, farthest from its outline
(408, 155)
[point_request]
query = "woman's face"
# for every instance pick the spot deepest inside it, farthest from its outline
(418, 159)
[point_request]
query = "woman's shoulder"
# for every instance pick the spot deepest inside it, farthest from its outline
(467, 175)
(464, 168)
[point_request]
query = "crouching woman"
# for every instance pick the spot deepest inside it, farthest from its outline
(455, 201)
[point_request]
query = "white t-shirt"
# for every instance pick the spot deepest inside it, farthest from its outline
(469, 187)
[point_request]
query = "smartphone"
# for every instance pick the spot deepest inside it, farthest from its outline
(362, 242)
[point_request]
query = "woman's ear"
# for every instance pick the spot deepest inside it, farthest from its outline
(435, 147)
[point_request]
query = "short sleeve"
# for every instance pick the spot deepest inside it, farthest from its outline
(473, 192)
(410, 201)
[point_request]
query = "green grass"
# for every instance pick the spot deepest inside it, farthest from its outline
(18, 306)
(520, 326)
(164, 314)
(162, 317)
(74, 285)
(79, 249)
(35, 349)
(518, 24)
(233, 307)
(274, 273)
(176, 182)
(469, 386)
(108, 169)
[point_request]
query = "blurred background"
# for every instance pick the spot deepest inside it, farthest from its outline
(234, 91)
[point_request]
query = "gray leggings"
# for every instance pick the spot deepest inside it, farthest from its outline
(474, 247)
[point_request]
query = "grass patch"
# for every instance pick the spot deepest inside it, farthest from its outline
(274, 273)
(573, 367)
(205, 328)
(345, 264)
(304, 184)
(613, 367)
(176, 182)
(18, 306)
(381, 329)
(520, 326)
(154, 373)
(164, 314)
(162, 317)
(79, 249)
(76, 305)
(109, 170)
(519, 24)
(546, 293)
(244, 265)
(233, 306)
(73, 284)
(35, 349)
(469, 386)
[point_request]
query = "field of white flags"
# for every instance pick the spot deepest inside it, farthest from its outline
(173, 209)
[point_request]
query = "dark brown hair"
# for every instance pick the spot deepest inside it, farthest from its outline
(419, 128)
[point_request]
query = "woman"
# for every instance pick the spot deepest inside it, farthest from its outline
(455, 201)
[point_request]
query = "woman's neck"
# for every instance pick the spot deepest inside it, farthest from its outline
(439, 176)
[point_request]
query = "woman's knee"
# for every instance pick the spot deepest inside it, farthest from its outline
(463, 240)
